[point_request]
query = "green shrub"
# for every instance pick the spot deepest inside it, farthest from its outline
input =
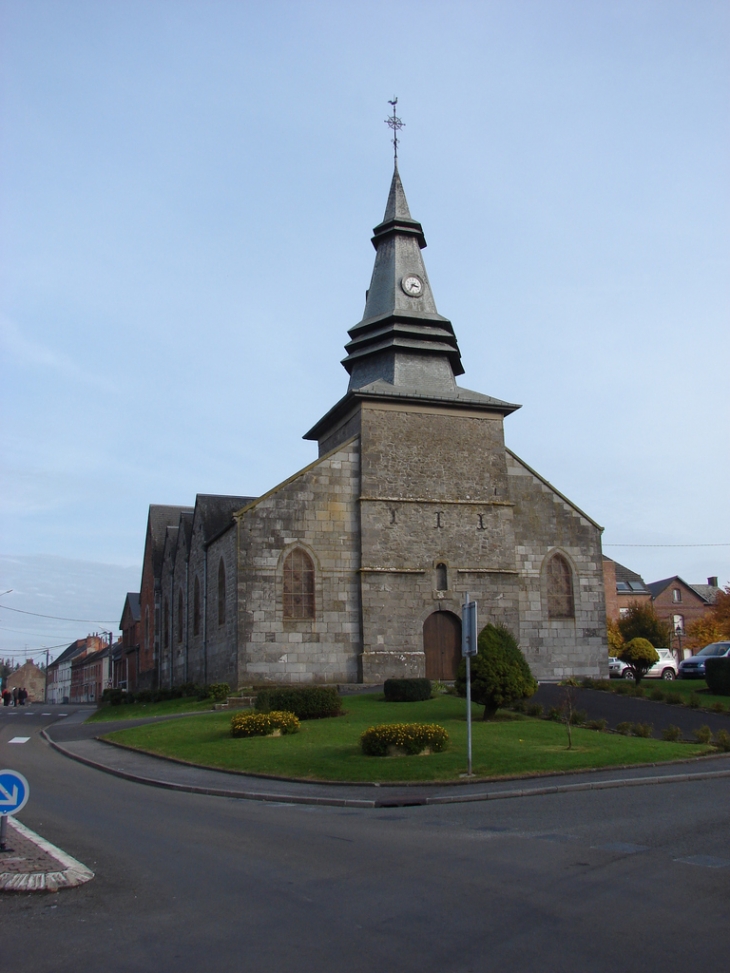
(499, 672)
(638, 691)
(555, 713)
(519, 706)
(640, 654)
(674, 699)
(642, 729)
(722, 740)
(717, 675)
(718, 708)
(219, 691)
(407, 690)
(114, 697)
(578, 716)
(694, 701)
(534, 709)
(622, 689)
(624, 728)
(671, 733)
(263, 724)
(656, 694)
(143, 696)
(703, 734)
(306, 702)
(596, 724)
(412, 738)
(641, 621)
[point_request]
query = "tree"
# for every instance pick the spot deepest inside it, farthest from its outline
(714, 626)
(640, 655)
(641, 622)
(499, 672)
(615, 638)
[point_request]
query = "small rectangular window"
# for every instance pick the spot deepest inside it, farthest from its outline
(676, 595)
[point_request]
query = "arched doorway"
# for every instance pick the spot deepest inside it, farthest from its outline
(442, 645)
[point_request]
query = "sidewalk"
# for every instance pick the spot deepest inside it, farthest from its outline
(78, 743)
(32, 864)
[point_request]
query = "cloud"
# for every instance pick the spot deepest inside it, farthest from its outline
(27, 351)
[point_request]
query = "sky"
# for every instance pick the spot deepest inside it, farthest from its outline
(187, 200)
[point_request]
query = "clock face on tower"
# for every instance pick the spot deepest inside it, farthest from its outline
(412, 285)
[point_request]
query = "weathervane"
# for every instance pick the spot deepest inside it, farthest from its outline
(396, 124)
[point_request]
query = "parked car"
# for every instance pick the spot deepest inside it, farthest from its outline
(665, 668)
(694, 667)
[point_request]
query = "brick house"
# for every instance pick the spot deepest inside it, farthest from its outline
(679, 603)
(623, 587)
(125, 653)
(160, 517)
(59, 671)
(355, 568)
(91, 675)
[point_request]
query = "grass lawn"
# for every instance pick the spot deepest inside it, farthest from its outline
(329, 749)
(138, 711)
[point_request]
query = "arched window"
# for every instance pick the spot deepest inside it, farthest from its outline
(166, 624)
(179, 615)
(221, 593)
(298, 585)
(560, 588)
(196, 607)
(442, 578)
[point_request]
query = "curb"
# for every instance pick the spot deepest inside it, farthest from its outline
(405, 801)
(71, 874)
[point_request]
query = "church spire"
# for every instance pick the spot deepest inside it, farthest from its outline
(401, 339)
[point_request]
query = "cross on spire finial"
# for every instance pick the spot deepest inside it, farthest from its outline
(396, 125)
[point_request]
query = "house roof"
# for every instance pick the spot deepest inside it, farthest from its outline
(132, 602)
(216, 513)
(161, 516)
(707, 592)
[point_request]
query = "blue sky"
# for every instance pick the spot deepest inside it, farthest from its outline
(187, 199)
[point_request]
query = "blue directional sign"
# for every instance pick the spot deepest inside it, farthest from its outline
(14, 791)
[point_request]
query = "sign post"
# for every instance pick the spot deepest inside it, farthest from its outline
(14, 792)
(468, 649)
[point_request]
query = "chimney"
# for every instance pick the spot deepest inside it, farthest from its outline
(712, 582)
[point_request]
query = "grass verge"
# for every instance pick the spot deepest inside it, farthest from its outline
(138, 711)
(683, 687)
(329, 749)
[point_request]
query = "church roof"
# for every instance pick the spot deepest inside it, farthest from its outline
(162, 516)
(396, 318)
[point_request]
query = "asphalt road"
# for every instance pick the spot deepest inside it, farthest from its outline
(591, 881)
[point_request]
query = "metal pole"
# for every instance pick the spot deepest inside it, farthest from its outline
(468, 714)
(3, 832)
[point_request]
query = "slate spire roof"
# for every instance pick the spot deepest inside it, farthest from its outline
(400, 317)
(403, 349)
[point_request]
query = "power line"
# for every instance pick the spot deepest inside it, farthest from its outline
(60, 618)
(667, 545)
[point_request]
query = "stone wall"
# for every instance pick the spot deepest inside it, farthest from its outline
(545, 523)
(434, 490)
(316, 510)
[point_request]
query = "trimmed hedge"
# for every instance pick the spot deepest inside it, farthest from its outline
(263, 724)
(717, 675)
(216, 691)
(413, 738)
(407, 690)
(307, 702)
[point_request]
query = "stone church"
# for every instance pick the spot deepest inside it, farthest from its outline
(355, 568)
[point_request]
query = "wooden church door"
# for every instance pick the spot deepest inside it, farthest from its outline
(442, 645)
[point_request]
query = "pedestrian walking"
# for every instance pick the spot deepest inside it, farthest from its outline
(15, 695)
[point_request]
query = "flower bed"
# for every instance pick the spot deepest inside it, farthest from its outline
(276, 723)
(391, 739)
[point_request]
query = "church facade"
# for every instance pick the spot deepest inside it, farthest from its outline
(355, 568)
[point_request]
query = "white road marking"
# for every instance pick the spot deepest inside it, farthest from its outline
(708, 861)
(19, 740)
